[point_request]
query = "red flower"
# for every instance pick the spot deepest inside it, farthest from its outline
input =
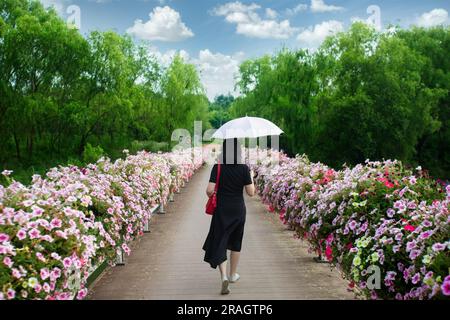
(351, 285)
(409, 227)
(329, 253)
(349, 246)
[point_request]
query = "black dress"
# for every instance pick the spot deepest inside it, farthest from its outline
(227, 223)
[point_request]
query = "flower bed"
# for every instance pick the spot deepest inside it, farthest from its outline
(53, 232)
(373, 217)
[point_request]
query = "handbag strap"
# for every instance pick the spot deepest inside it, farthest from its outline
(218, 177)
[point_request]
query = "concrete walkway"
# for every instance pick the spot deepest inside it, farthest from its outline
(168, 262)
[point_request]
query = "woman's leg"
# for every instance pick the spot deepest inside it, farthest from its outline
(234, 260)
(223, 270)
(223, 274)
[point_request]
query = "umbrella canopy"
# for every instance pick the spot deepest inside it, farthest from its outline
(247, 127)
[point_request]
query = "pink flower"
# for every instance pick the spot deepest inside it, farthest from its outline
(38, 288)
(46, 287)
(61, 234)
(55, 256)
(34, 233)
(56, 223)
(426, 234)
(41, 257)
(37, 212)
(438, 247)
(47, 238)
(16, 273)
(446, 286)
(11, 293)
(67, 262)
(82, 294)
(126, 249)
(63, 296)
(390, 212)
(4, 237)
(21, 234)
(28, 203)
(8, 262)
(44, 273)
(410, 228)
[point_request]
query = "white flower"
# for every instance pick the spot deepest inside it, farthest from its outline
(6, 173)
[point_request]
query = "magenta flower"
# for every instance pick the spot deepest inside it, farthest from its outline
(82, 294)
(446, 288)
(390, 212)
(416, 278)
(44, 273)
(410, 245)
(425, 235)
(37, 212)
(4, 237)
(67, 262)
(55, 274)
(56, 223)
(34, 233)
(61, 234)
(8, 262)
(21, 234)
(391, 275)
(352, 225)
(414, 254)
(40, 256)
(55, 256)
(46, 287)
(38, 288)
(11, 293)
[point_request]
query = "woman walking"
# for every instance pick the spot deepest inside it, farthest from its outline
(227, 224)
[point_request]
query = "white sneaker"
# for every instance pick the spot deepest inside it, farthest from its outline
(225, 289)
(235, 277)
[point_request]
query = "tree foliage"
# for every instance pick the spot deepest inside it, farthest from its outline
(61, 92)
(362, 94)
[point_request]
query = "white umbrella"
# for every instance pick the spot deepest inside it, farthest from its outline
(247, 127)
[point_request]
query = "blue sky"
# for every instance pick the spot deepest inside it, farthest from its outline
(216, 35)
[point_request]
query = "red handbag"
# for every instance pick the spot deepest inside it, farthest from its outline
(212, 201)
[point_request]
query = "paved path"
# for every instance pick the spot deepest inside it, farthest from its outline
(168, 262)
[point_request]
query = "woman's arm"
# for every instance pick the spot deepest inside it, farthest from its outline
(210, 189)
(250, 188)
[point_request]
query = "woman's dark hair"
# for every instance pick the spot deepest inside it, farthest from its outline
(231, 152)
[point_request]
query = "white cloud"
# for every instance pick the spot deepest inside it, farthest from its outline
(166, 58)
(298, 8)
(312, 37)
(321, 6)
(271, 14)
(217, 71)
(250, 24)
(433, 18)
(164, 25)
